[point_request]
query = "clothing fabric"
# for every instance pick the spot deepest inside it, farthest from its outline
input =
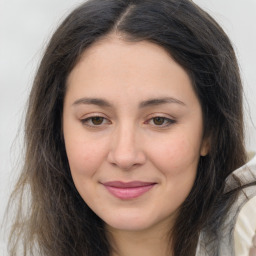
(223, 244)
(245, 230)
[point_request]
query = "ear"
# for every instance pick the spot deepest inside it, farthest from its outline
(205, 146)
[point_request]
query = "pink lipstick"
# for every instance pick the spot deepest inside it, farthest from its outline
(128, 190)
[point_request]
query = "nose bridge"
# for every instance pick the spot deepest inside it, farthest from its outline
(125, 150)
(124, 144)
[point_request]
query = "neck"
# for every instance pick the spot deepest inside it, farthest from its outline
(149, 242)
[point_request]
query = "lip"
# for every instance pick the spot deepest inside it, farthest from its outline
(128, 190)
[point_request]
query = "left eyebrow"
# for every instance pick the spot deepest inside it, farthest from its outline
(160, 101)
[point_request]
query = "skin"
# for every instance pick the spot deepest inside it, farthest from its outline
(127, 142)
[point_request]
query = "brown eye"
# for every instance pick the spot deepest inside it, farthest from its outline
(97, 120)
(159, 120)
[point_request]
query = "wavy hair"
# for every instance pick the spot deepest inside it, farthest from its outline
(51, 217)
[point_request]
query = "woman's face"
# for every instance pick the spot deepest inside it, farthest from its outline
(133, 133)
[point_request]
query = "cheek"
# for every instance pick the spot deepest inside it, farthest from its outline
(177, 152)
(177, 156)
(84, 156)
(177, 161)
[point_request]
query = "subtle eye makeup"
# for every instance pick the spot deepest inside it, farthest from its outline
(161, 121)
(100, 121)
(95, 121)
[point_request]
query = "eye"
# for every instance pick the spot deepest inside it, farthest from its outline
(95, 121)
(160, 121)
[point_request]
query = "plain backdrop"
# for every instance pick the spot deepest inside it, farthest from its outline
(25, 28)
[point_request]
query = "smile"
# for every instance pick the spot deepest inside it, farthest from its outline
(128, 190)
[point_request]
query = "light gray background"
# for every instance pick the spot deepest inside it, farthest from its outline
(26, 26)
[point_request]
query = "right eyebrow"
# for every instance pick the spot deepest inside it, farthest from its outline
(92, 101)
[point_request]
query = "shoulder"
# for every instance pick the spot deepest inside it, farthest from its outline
(233, 227)
(245, 228)
(245, 225)
(244, 175)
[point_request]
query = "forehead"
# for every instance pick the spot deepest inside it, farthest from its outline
(114, 52)
(114, 67)
(120, 45)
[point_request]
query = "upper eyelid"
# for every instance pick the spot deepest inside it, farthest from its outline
(87, 121)
(90, 117)
(147, 118)
(94, 114)
(164, 115)
(166, 119)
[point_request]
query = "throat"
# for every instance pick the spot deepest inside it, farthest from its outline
(140, 243)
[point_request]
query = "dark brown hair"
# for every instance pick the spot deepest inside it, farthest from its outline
(57, 221)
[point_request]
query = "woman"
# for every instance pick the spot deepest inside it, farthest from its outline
(133, 130)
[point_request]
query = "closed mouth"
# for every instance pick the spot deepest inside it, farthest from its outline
(128, 190)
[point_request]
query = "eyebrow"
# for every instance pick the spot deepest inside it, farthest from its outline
(147, 103)
(92, 101)
(160, 101)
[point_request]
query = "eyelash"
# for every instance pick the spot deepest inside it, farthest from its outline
(89, 121)
(166, 121)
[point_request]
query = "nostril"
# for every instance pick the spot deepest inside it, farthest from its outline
(126, 160)
(125, 150)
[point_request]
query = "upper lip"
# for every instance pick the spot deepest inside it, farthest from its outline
(131, 184)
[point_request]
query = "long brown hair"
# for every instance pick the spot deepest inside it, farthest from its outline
(51, 218)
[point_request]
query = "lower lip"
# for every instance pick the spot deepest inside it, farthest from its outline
(129, 193)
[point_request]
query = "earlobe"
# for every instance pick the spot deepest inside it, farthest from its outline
(205, 147)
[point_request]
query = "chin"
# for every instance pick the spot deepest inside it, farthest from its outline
(129, 225)
(132, 222)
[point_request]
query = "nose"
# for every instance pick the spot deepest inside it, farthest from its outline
(126, 150)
